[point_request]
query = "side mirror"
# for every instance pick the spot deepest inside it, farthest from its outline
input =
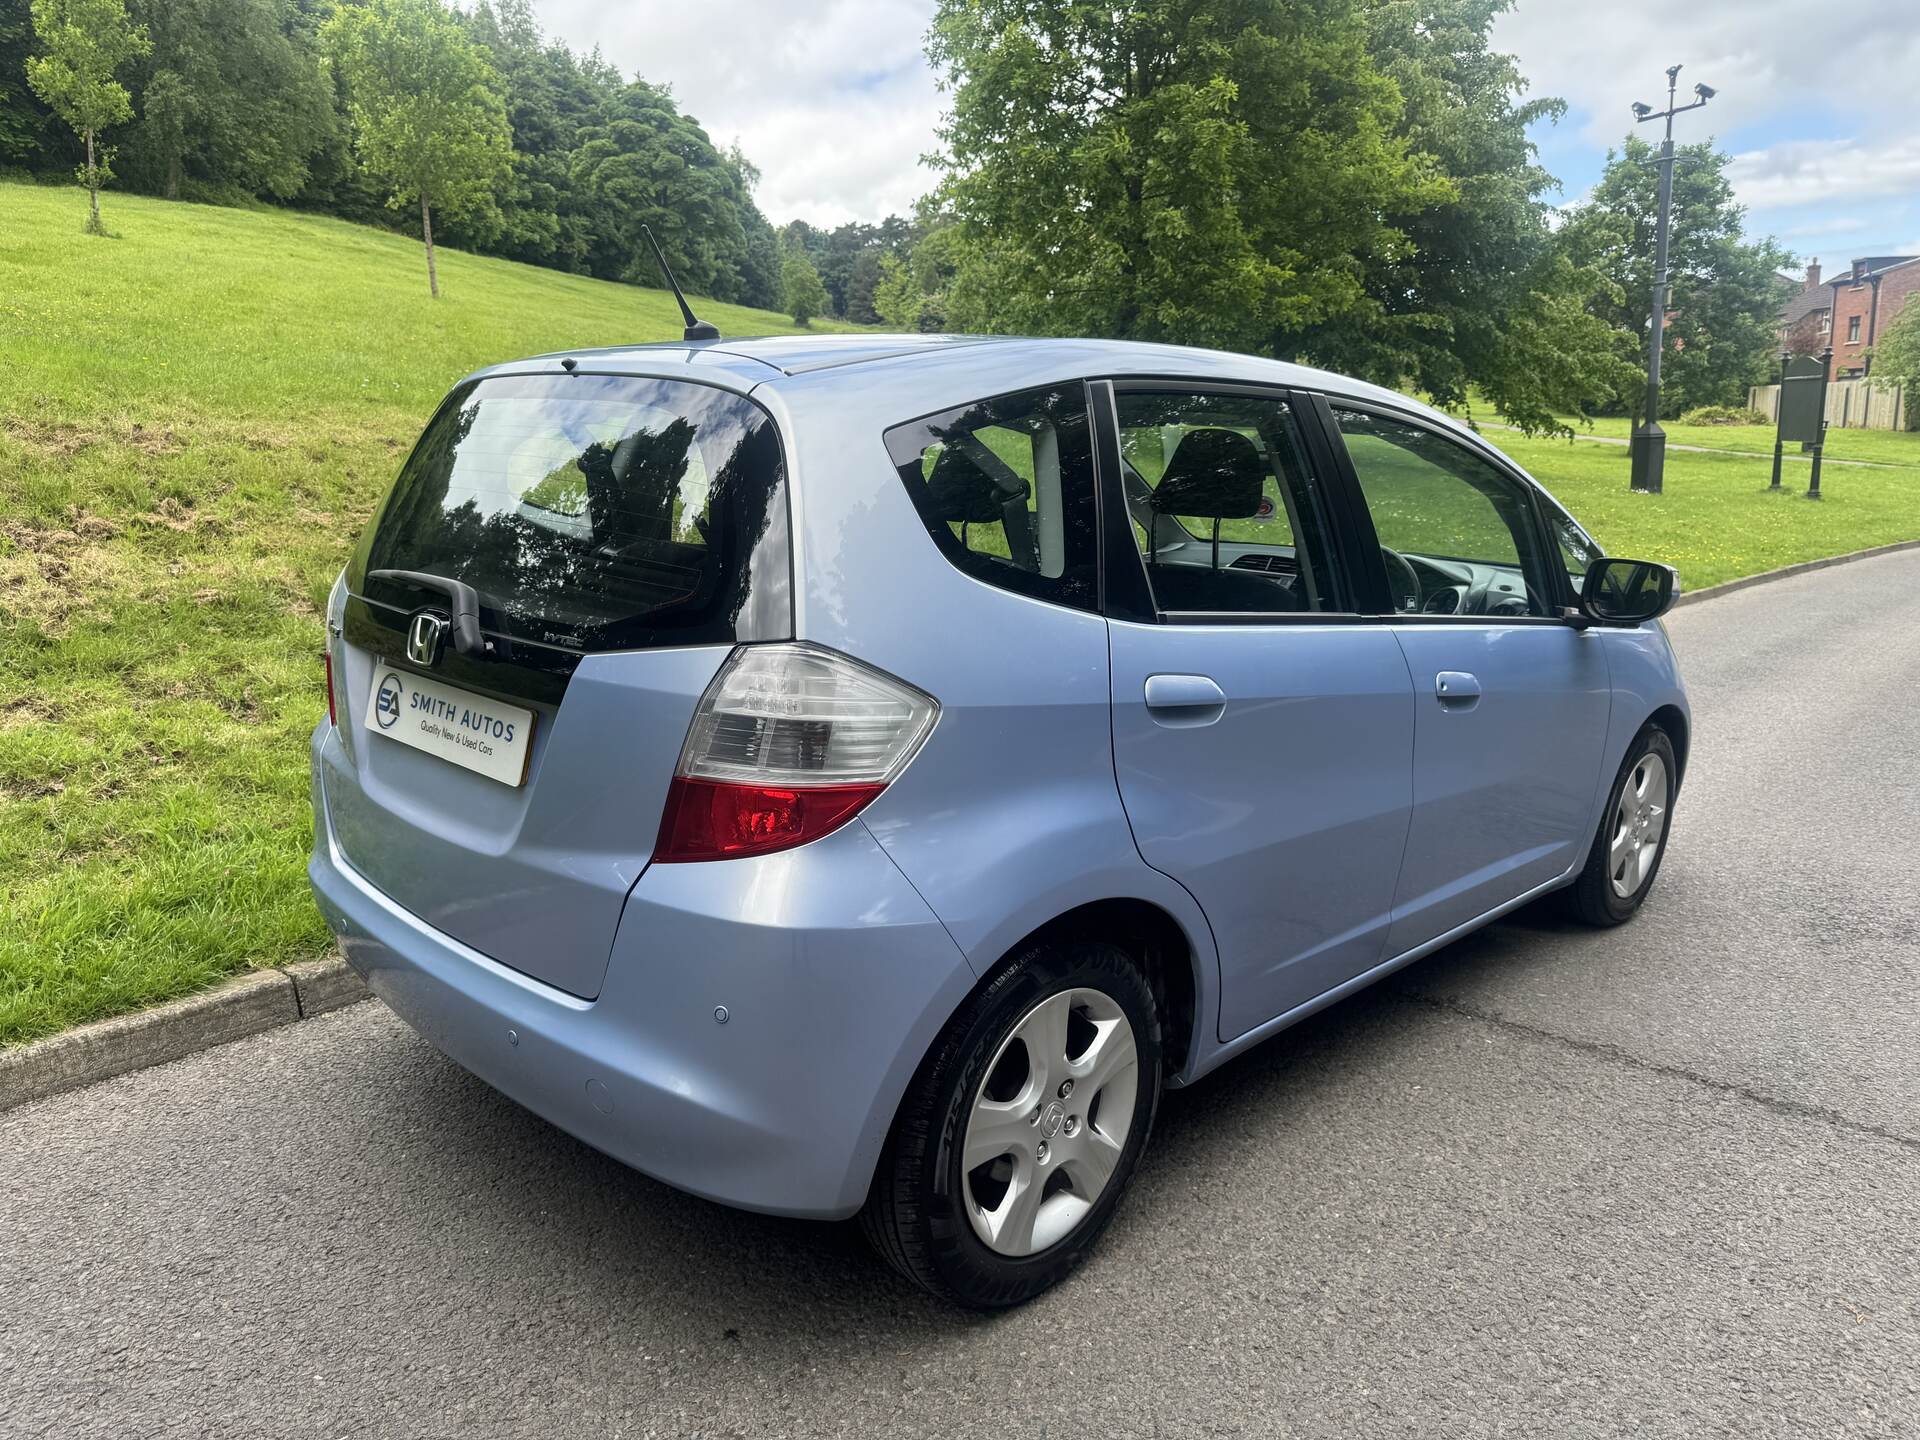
(1628, 592)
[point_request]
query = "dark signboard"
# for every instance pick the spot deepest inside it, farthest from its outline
(1803, 399)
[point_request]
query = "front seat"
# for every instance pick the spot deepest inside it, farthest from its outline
(1214, 475)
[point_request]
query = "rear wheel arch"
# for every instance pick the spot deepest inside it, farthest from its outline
(1156, 942)
(1148, 934)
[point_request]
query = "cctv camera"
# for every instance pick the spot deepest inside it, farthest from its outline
(1705, 92)
(1641, 110)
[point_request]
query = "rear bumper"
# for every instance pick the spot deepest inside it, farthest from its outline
(834, 974)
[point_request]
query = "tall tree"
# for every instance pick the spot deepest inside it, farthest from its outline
(27, 127)
(1198, 170)
(82, 44)
(642, 161)
(425, 107)
(806, 297)
(1476, 298)
(233, 91)
(1724, 311)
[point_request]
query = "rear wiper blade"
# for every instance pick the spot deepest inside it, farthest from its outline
(463, 609)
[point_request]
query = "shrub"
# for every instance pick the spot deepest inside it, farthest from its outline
(1723, 415)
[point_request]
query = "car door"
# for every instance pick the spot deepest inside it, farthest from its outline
(1262, 729)
(1510, 701)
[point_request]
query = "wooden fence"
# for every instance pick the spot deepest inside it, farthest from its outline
(1851, 405)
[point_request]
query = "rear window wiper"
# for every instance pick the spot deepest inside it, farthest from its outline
(463, 607)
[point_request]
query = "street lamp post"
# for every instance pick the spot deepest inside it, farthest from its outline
(1649, 449)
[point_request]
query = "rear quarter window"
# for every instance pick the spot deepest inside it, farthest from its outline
(1005, 489)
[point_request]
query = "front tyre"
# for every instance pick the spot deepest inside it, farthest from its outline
(1022, 1128)
(1632, 838)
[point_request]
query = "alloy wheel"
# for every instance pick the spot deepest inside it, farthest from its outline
(1049, 1122)
(1639, 824)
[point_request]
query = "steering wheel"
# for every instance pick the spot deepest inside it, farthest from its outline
(1482, 599)
(1403, 581)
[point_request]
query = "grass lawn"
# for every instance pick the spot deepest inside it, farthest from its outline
(1716, 519)
(195, 417)
(1886, 447)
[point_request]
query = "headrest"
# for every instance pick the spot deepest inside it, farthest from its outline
(1213, 475)
(961, 490)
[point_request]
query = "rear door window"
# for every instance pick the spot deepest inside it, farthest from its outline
(1005, 488)
(594, 512)
(1226, 510)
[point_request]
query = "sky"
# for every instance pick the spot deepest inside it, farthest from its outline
(835, 102)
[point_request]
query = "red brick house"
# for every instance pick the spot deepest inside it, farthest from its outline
(1806, 320)
(1864, 302)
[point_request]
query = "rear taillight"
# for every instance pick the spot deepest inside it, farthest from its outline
(327, 654)
(788, 744)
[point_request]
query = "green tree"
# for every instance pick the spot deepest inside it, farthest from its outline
(1476, 298)
(806, 296)
(82, 44)
(1723, 316)
(231, 91)
(642, 161)
(1896, 359)
(1207, 171)
(425, 108)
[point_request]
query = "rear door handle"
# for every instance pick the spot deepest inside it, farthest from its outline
(1179, 701)
(1456, 687)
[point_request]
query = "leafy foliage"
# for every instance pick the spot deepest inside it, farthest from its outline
(230, 97)
(1476, 297)
(1195, 170)
(425, 106)
(806, 296)
(1896, 358)
(1726, 293)
(81, 44)
(1723, 415)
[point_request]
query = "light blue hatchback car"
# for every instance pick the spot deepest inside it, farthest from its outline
(854, 775)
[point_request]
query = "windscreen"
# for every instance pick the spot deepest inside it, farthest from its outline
(594, 512)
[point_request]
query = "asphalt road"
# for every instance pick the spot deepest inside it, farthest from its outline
(1664, 1180)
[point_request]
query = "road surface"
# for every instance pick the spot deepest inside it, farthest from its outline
(1664, 1180)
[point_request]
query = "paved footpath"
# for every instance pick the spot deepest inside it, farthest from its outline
(1663, 1181)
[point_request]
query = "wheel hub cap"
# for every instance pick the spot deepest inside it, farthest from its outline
(1049, 1122)
(1639, 825)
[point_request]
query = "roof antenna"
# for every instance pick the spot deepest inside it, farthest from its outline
(696, 329)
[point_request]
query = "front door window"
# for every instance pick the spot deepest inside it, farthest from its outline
(1456, 535)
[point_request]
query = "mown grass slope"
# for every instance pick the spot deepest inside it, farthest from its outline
(195, 417)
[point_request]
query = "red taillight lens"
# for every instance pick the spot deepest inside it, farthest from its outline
(788, 743)
(718, 820)
(327, 654)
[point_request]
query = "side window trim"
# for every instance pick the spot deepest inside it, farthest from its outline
(1125, 589)
(1369, 564)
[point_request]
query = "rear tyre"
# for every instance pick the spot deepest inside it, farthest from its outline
(1632, 838)
(1022, 1128)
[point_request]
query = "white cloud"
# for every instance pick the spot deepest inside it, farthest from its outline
(1809, 172)
(832, 99)
(1767, 58)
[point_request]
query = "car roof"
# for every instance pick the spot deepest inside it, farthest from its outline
(777, 361)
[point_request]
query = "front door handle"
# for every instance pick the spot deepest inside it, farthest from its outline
(1456, 688)
(1179, 701)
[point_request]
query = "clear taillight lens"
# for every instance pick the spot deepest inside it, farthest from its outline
(788, 743)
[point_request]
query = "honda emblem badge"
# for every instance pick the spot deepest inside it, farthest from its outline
(423, 638)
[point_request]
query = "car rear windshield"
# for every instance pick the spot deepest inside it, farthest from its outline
(594, 512)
